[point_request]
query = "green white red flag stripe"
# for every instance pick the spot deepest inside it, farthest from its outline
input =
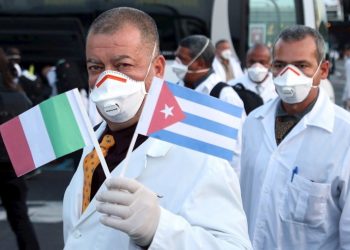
(45, 132)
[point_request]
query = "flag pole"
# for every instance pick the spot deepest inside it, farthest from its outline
(127, 157)
(92, 135)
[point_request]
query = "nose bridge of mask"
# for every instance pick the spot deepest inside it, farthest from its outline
(294, 76)
(200, 53)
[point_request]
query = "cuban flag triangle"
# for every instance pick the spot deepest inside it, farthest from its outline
(190, 119)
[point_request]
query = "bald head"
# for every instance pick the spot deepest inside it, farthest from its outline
(115, 19)
(259, 53)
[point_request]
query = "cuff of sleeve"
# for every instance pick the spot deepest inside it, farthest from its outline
(162, 239)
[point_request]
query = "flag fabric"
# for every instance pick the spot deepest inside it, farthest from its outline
(190, 119)
(45, 132)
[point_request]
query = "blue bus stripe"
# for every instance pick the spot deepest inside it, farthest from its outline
(210, 125)
(205, 100)
(193, 144)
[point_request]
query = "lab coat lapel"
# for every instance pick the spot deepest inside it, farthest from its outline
(267, 115)
(137, 163)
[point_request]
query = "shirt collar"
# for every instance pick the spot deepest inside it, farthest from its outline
(203, 79)
(321, 114)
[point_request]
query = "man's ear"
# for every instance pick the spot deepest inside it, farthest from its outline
(200, 63)
(159, 66)
(324, 69)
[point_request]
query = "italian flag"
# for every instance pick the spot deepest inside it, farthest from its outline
(56, 127)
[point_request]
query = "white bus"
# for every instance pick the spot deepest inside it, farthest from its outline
(47, 30)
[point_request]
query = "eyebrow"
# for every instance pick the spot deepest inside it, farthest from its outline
(295, 62)
(114, 59)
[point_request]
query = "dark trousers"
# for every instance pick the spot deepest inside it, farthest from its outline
(13, 194)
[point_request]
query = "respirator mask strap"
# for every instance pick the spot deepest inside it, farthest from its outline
(200, 53)
(150, 64)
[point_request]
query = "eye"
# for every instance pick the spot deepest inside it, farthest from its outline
(302, 66)
(278, 66)
(94, 69)
(121, 67)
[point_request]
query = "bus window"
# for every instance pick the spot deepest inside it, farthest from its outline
(267, 18)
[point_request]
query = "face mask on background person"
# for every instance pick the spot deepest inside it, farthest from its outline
(117, 96)
(181, 69)
(226, 54)
(292, 85)
(257, 72)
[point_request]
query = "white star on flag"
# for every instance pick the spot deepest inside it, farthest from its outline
(167, 111)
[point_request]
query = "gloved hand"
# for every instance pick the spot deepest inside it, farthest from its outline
(130, 207)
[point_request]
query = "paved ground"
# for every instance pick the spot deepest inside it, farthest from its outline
(46, 192)
(45, 209)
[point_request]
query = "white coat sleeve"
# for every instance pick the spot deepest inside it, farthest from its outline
(227, 94)
(344, 203)
(211, 217)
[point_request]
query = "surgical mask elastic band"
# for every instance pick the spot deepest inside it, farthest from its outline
(150, 62)
(200, 52)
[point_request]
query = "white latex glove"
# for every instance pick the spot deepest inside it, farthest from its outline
(130, 207)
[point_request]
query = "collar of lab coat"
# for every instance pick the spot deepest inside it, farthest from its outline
(150, 148)
(322, 114)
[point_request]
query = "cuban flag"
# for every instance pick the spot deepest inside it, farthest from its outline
(190, 119)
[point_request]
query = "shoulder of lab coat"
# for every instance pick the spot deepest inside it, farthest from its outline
(202, 222)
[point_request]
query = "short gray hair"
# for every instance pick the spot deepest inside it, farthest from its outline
(299, 32)
(114, 19)
(195, 44)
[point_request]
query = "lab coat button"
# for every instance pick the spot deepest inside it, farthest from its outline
(77, 234)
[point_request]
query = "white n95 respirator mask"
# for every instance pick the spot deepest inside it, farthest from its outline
(226, 54)
(257, 72)
(292, 85)
(117, 97)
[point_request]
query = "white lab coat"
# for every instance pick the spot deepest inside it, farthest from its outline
(313, 210)
(200, 209)
(219, 69)
(227, 94)
(267, 87)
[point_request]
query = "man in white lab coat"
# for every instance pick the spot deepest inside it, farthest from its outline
(193, 66)
(171, 197)
(258, 77)
(296, 154)
(225, 65)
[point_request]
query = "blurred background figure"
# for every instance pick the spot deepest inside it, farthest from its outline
(32, 84)
(67, 75)
(257, 77)
(346, 93)
(13, 190)
(225, 64)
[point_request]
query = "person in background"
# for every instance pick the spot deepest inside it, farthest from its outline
(295, 175)
(193, 66)
(224, 64)
(32, 84)
(346, 93)
(13, 190)
(171, 197)
(258, 77)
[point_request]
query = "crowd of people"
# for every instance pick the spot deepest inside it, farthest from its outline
(287, 186)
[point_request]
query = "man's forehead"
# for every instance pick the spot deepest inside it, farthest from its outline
(301, 50)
